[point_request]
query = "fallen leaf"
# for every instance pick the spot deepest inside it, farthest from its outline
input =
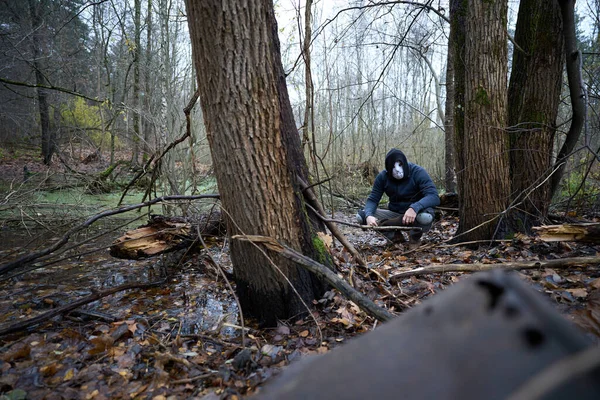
(327, 239)
(304, 333)
(49, 370)
(270, 350)
(101, 344)
(132, 326)
(283, 330)
(578, 292)
(595, 283)
(69, 375)
(19, 350)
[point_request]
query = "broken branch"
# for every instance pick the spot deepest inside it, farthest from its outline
(585, 232)
(335, 231)
(441, 268)
(76, 304)
(34, 256)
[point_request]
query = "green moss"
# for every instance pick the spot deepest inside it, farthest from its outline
(481, 97)
(321, 249)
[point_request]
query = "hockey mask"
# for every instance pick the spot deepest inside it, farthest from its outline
(398, 171)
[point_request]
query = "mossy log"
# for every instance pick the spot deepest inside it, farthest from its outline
(583, 232)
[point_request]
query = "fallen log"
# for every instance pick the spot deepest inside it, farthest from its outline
(441, 268)
(583, 232)
(487, 337)
(163, 235)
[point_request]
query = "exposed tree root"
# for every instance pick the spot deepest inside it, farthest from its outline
(363, 302)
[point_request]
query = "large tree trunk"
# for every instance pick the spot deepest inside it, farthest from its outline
(256, 151)
(533, 98)
(485, 179)
(35, 14)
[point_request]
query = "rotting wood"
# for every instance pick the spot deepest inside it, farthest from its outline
(163, 235)
(76, 304)
(441, 268)
(583, 232)
(363, 302)
(160, 235)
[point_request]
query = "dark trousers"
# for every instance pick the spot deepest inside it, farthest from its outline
(424, 221)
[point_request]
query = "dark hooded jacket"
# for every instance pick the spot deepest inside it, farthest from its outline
(415, 190)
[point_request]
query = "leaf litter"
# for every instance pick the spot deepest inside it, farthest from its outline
(182, 339)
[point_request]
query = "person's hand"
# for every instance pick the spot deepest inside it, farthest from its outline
(371, 220)
(409, 217)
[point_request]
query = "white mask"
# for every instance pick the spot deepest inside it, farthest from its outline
(398, 171)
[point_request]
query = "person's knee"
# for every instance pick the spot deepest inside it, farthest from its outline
(361, 218)
(424, 218)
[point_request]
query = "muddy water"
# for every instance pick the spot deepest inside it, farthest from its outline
(189, 302)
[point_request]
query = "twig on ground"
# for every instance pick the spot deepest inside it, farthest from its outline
(320, 212)
(76, 304)
(441, 268)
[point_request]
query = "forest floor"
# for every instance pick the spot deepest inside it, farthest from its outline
(181, 338)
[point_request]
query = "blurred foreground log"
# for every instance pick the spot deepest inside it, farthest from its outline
(490, 336)
(585, 232)
(165, 234)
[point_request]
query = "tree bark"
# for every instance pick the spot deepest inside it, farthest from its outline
(458, 15)
(449, 164)
(256, 151)
(485, 179)
(533, 98)
(576, 91)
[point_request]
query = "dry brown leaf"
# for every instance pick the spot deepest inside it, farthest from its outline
(578, 292)
(132, 326)
(69, 375)
(101, 344)
(19, 350)
(327, 239)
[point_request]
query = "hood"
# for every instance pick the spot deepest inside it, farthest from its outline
(390, 159)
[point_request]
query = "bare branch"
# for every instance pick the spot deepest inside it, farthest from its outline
(34, 256)
(441, 268)
(49, 87)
